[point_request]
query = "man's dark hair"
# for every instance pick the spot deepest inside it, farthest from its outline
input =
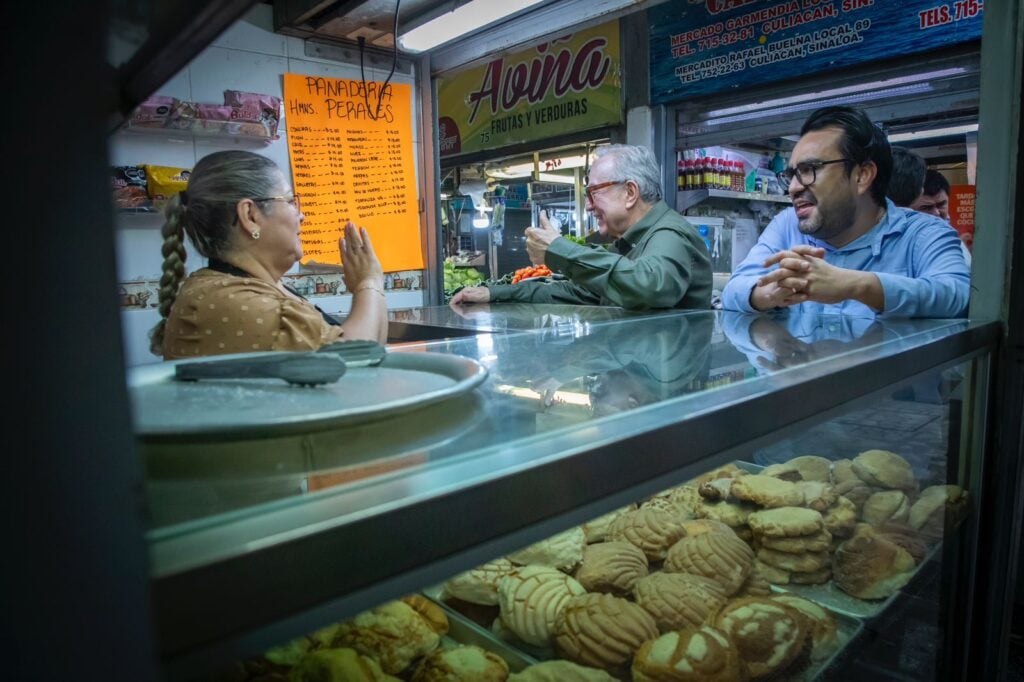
(908, 170)
(935, 182)
(861, 141)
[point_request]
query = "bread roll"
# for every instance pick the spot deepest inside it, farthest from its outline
(678, 600)
(868, 566)
(560, 671)
(805, 468)
(338, 665)
(597, 530)
(602, 631)
(723, 558)
(480, 585)
(824, 636)
(771, 636)
(766, 491)
(394, 634)
(652, 530)
(883, 507)
(884, 469)
(612, 567)
(462, 663)
(690, 655)
(938, 506)
(531, 599)
(562, 551)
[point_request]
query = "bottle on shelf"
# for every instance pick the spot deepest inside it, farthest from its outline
(680, 171)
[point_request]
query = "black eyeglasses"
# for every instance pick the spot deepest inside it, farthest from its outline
(806, 172)
(293, 200)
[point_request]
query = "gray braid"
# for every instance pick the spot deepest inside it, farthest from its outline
(173, 251)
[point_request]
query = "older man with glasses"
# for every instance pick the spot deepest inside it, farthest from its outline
(844, 247)
(658, 259)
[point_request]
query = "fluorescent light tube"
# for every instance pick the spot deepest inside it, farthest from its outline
(467, 18)
(935, 132)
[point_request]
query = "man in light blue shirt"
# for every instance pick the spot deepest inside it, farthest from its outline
(844, 247)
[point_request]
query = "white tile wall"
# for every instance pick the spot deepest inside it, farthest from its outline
(249, 57)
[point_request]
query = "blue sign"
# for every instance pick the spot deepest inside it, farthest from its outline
(699, 47)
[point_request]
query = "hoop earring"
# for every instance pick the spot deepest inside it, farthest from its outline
(255, 234)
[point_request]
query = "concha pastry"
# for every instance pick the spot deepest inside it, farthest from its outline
(884, 469)
(612, 567)
(652, 530)
(602, 631)
(597, 530)
(767, 491)
(562, 551)
(338, 665)
(463, 663)
(394, 634)
(824, 636)
(678, 600)
(723, 558)
(560, 671)
(665, 503)
(805, 468)
(531, 599)
(687, 497)
(890, 505)
(480, 585)
(869, 566)
(770, 636)
(937, 504)
(701, 526)
(757, 584)
(690, 655)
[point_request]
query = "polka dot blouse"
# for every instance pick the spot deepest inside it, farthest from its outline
(217, 313)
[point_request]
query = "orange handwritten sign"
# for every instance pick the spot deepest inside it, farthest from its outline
(961, 211)
(350, 147)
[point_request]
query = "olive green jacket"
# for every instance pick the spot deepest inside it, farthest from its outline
(661, 262)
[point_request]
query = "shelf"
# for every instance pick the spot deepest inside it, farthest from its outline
(688, 198)
(193, 134)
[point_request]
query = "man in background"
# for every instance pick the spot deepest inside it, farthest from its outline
(934, 198)
(907, 180)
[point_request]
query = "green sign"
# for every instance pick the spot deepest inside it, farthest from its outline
(563, 86)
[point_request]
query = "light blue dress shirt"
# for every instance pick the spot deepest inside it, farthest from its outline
(917, 258)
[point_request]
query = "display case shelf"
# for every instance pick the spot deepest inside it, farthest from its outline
(689, 198)
(338, 522)
(190, 134)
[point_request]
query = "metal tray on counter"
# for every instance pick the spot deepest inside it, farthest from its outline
(166, 409)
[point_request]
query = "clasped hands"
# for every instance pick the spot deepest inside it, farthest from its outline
(804, 275)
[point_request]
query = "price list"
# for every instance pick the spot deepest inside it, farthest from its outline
(379, 184)
(350, 165)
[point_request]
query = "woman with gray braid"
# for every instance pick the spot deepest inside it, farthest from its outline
(241, 213)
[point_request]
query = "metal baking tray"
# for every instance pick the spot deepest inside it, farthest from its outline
(830, 596)
(464, 631)
(164, 408)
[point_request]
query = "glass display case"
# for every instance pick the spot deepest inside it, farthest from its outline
(256, 541)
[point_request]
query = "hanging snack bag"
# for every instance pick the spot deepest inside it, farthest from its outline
(254, 108)
(154, 112)
(129, 186)
(215, 119)
(164, 182)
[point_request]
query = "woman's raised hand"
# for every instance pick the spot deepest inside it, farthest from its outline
(361, 266)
